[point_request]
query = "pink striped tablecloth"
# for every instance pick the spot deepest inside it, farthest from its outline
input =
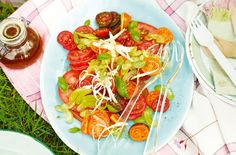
(26, 80)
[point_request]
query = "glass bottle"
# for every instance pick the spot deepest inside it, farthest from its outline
(18, 42)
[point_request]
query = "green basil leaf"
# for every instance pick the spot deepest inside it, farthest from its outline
(74, 130)
(62, 84)
(121, 87)
(87, 22)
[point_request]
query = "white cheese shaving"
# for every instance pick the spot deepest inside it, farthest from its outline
(111, 45)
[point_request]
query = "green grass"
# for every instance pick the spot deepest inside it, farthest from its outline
(16, 115)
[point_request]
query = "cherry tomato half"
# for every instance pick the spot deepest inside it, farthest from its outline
(96, 49)
(144, 45)
(151, 97)
(166, 33)
(139, 106)
(130, 86)
(78, 55)
(166, 106)
(76, 115)
(72, 79)
(65, 38)
(98, 117)
(64, 96)
(125, 36)
(125, 20)
(70, 47)
(78, 69)
(87, 81)
(85, 29)
(146, 27)
(115, 29)
(134, 116)
(82, 62)
(152, 63)
(104, 19)
(102, 32)
(115, 19)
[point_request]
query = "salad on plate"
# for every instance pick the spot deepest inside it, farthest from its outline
(107, 65)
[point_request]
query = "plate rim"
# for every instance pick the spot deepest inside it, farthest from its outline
(29, 136)
(77, 150)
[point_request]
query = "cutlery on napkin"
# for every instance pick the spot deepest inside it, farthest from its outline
(220, 25)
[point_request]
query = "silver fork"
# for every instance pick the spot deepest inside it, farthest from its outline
(205, 38)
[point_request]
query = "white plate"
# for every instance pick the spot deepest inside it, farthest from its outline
(200, 63)
(15, 143)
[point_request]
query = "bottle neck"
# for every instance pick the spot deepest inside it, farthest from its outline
(12, 32)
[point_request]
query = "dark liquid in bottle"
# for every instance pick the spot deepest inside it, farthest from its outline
(24, 54)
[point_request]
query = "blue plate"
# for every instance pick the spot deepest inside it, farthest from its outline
(55, 63)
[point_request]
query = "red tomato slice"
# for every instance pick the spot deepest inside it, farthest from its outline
(96, 49)
(130, 86)
(102, 32)
(145, 78)
(98, 117)
(166, 106)
(87, 81)
(166, 33)
(151, 97)
(70, 47)
(72, 79)
(76, 115)
(83, 62)
(64, 96)
(78, 69)
(139, 106)
(85, 29)
(122, 102)
(126, 19)
(146, 27)
(125, 36)
(145, 93)
(130, 43)
(115, 29)
(152, 63)
(65, 38)
(104, 19)
(134, 116)
(143, 45)
(78, 55)
(79, 63)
